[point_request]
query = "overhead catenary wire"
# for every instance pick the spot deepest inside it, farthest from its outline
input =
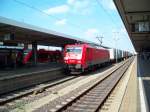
(109, 16)
(57, 18)
(52, 16)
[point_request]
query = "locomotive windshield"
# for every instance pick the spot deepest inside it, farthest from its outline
(74, 50)
(26, 52)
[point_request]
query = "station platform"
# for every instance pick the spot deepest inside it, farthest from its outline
(14, 79)
(136, 96)
(10, 72)
(143, 72)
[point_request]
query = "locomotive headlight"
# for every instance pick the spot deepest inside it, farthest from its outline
(78, 57)
(79, 61)
(78, 66)
(66, 58)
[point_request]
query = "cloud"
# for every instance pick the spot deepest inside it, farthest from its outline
(57, 9)
(73, 6)
(92, 32)
(70, 2)
(108, 4)
(80, 6)
(61, 22)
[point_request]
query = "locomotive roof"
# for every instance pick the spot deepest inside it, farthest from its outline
(88, 45)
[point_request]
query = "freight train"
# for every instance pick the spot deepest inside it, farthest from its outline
(81, 57)
(77, 57)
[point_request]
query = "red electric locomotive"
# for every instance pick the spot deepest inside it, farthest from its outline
(79, 57)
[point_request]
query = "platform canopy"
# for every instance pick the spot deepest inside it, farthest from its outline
(12, 31)
(136, 17)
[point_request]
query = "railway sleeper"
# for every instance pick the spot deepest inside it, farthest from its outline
(86, 108)
(87, 102)
(98, 92)
(70, 109)
(98, 89)
(81, 105)
(98, 101)
(94, 95)
(91, 99)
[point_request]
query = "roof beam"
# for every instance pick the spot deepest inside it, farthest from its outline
(138, 13)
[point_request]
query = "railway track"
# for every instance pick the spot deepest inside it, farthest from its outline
(35, 90)
(15, 95)
(41, 88)
(93, 98)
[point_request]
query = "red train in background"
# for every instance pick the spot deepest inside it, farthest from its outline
(10, 56)
(80, 57)
(43, 56)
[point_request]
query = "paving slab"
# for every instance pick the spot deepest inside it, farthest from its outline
(130, 100)
(143, 72)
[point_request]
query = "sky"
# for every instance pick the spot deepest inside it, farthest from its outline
(85, 19)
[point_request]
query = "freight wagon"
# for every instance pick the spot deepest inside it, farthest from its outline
(118, 55)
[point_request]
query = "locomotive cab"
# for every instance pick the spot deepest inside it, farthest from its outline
(73, 57)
